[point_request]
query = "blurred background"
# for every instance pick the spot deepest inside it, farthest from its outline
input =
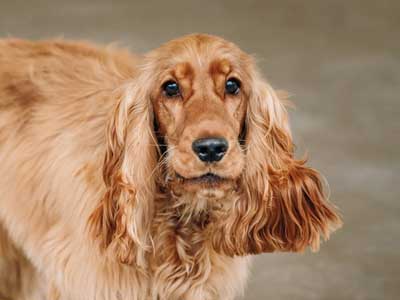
(341, 62)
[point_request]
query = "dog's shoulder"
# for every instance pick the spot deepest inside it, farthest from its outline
(35, 70)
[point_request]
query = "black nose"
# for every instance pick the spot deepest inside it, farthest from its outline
(210, 149)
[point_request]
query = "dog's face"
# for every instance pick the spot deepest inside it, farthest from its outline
(199, 121)
(199, 103)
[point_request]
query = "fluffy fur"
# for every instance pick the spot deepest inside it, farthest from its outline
(101, 196)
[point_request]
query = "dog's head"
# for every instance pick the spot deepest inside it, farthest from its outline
(200, 123)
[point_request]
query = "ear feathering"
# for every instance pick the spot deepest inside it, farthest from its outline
(123, 218)
(283, 206)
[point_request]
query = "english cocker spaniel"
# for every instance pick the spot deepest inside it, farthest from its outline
(154, 177)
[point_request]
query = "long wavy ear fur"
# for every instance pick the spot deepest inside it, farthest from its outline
(123, 217)
(283, 206)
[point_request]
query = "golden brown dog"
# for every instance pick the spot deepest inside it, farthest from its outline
(125, 177)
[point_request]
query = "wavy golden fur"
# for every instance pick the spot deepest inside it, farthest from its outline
(102, 195)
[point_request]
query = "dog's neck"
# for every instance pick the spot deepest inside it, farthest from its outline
(195, 208)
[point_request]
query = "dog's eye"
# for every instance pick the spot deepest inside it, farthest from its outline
(232, 86)
(171, 88)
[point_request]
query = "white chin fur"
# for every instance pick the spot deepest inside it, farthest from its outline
(211, 193)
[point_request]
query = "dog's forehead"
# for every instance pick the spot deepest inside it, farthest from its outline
(188, 69)
(200, 51)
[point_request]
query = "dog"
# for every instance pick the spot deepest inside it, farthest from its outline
(145, 177)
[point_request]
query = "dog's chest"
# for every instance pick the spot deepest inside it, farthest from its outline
(185, 266)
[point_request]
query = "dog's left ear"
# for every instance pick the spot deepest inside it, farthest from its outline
(122, 220)
(283, 206)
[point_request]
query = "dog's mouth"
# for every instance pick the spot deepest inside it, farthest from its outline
(208, 179)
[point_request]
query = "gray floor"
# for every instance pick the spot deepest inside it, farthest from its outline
(341, 61)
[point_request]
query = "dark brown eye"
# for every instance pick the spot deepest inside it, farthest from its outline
(232, 86)
(171, 88)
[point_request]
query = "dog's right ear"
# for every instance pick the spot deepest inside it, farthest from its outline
(283, 206)
(123, 216)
